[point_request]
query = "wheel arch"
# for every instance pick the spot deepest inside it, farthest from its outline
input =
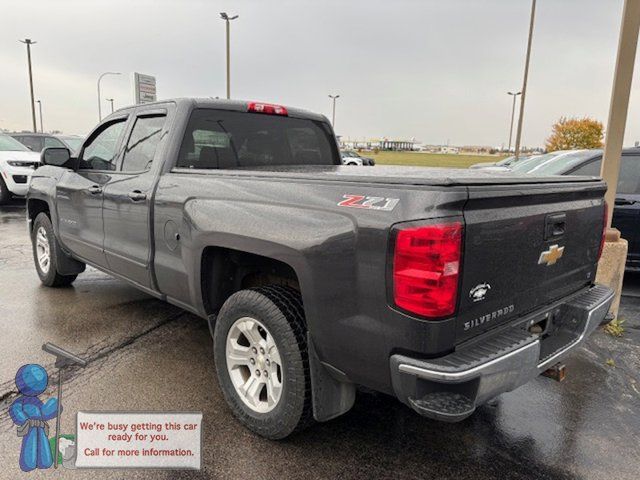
(36, 206)
(231, 270)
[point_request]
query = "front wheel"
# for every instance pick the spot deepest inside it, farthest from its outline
(45, 247)
(261, 359)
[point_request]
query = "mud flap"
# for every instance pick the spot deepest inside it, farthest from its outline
(65, 264)
(331, 392)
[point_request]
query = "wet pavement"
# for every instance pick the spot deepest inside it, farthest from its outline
(148, 355)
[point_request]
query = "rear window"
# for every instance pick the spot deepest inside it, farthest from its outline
(220, 139)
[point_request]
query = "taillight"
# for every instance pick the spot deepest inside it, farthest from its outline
(268, 108)
(426, 267)
(605, 220)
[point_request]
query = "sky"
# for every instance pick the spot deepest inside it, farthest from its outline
(436, 71)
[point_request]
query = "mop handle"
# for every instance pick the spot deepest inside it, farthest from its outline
(55, 457)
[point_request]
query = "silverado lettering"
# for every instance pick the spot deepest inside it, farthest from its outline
(476, 322)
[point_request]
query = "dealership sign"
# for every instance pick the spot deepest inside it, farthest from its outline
(145, 88)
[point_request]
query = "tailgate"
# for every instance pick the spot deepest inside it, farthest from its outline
(526, 246)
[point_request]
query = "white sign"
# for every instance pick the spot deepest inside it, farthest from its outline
(145, 88)
(139, 440)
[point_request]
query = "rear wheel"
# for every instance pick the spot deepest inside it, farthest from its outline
(261, 358)
(45, 247)
(5, 194)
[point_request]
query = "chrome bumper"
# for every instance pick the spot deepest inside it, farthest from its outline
(451, 387)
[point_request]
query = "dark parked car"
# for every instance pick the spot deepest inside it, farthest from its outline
(38, 141)
(442, 287)
(626, 212)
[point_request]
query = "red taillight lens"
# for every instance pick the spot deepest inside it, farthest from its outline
(267, 108)
(426, 267)
(605, 220)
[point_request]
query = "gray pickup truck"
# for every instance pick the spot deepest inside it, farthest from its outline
(444, 288)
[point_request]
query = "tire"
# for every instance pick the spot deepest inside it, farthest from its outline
(279, 314)
(5, 194)
(43, 241)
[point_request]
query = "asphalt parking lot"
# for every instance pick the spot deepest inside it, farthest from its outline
(148, 355)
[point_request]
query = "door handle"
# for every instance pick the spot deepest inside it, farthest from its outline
(137, 196)
(624, 201)
(95, 189)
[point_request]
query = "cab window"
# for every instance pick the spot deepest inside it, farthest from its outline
(221, 139)
(101, 152)
(143, 143)
(629, 179)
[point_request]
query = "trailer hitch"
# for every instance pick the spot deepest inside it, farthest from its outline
(557, 372)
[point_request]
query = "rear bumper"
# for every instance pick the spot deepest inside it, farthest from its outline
(451, 387)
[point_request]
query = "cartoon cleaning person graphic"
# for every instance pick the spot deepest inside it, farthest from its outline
(30, 414)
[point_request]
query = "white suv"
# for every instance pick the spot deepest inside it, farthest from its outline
(17, 163)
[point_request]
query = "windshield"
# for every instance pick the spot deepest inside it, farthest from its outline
(73, 142)
(527, 164)
(349, 153)
(561, 164)
(10, 144)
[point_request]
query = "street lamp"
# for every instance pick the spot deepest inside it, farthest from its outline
(40, 109)
(513, 112)
(227, 19)
(526, 75)
(99, 100)
(110, 100)
(333, 111)
(28, 42)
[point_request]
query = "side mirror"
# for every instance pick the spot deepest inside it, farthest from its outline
(56, 156)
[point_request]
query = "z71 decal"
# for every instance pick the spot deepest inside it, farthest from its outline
(372, 203)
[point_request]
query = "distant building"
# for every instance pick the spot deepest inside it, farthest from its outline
(379, 144)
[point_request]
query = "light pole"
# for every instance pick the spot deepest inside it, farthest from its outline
(110, 100)
(333, 111)
(227, 19)
(40, 109)
(28, 42)
(99, 100)
(526, 75)
(513, 112)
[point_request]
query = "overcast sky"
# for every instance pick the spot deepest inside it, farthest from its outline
(433, 70)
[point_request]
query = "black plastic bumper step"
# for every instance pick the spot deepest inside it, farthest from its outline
(444, 406)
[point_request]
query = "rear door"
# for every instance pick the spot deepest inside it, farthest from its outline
(626, 213)
(526, 246)
(79, 193)
(127, 199)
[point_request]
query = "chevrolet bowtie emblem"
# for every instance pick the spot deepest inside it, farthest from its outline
(551, 256)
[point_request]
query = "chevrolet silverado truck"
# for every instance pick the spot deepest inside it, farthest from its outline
(442, 287)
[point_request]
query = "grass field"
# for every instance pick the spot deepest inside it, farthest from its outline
(420, 159)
